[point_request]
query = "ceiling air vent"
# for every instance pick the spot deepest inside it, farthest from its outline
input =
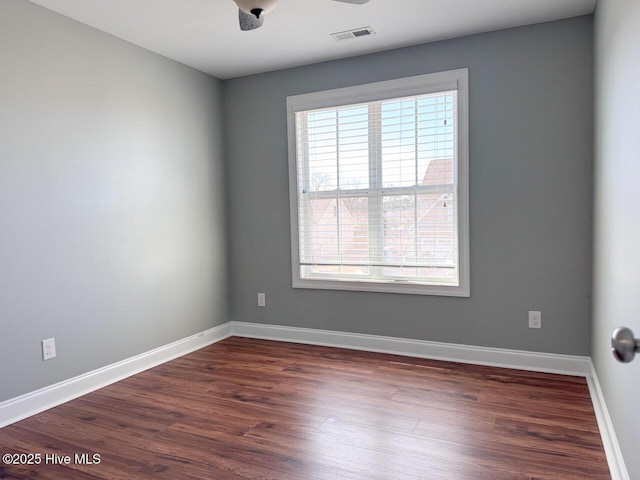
(355, 33)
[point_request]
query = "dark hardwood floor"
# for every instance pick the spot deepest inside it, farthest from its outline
(253, 409)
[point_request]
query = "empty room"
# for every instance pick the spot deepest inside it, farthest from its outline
(319, 239)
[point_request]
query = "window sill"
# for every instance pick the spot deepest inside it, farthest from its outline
(385, 287)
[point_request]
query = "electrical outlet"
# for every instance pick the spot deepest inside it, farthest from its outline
(48, 348)
(262, 300)
(535, 319)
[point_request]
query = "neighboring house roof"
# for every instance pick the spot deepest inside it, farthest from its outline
(439, 172)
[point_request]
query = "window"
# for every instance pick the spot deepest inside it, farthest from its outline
(379, 186)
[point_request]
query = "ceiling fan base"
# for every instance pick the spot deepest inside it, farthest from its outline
(252, 12)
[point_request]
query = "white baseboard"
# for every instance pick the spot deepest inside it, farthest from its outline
(38, 401)
(24, 406)
(617, 467)
(495, 357)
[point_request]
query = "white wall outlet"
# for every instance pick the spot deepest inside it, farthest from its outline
(48, 348)
(535, 319)
(262, 300)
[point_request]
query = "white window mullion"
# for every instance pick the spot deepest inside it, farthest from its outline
(376, 224)
(416, 241)
(338, 212)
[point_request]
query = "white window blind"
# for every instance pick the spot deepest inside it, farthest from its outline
(377, 192)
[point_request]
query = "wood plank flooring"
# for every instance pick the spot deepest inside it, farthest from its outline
(254, 409)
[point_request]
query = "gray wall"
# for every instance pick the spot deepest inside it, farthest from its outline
(616, 283)
(111, 206)
(531, 101)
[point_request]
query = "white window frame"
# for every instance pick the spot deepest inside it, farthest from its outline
(392, 89)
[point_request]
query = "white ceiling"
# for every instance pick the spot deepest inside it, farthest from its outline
(205, 34)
